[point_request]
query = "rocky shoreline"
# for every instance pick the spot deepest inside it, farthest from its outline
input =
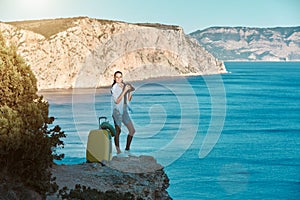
(141, 176)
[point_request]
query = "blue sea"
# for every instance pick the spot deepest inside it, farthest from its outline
(229, 136)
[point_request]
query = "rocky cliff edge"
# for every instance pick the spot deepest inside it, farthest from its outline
(140, 176)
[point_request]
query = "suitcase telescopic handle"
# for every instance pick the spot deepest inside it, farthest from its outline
(100, 118)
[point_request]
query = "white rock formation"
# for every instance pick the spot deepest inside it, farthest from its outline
(87, 54)
(251, 44)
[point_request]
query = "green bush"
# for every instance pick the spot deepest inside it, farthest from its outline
(26, 141)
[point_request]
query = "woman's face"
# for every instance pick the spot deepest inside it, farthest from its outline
(118, 78)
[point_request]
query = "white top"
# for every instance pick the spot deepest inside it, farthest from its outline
(116, 91)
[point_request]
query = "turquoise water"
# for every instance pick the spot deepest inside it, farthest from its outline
(231, 136)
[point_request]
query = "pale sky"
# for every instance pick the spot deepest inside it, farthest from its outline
(192, 15)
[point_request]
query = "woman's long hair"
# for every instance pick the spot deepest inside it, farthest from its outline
(117, 72)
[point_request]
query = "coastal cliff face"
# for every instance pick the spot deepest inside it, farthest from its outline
(251, 44)
(84, 53)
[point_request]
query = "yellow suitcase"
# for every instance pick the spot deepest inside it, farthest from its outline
(99, 145)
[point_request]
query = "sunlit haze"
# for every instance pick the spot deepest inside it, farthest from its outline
(191, 15)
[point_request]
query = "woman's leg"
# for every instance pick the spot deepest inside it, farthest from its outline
(118, 123)
(117, 138)
(131, 130)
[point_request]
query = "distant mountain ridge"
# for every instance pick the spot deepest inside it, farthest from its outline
(251, 44)
(82, 52)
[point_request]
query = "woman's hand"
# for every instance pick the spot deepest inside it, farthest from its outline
(127, 88)
(131, 88)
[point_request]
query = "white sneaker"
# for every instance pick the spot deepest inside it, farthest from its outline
(128, 153)
(122, 155)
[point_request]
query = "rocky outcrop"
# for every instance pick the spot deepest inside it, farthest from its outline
(140, 176)
(251, 44)
(83, 52)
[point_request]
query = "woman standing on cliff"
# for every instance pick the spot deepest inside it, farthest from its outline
(121, 96)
